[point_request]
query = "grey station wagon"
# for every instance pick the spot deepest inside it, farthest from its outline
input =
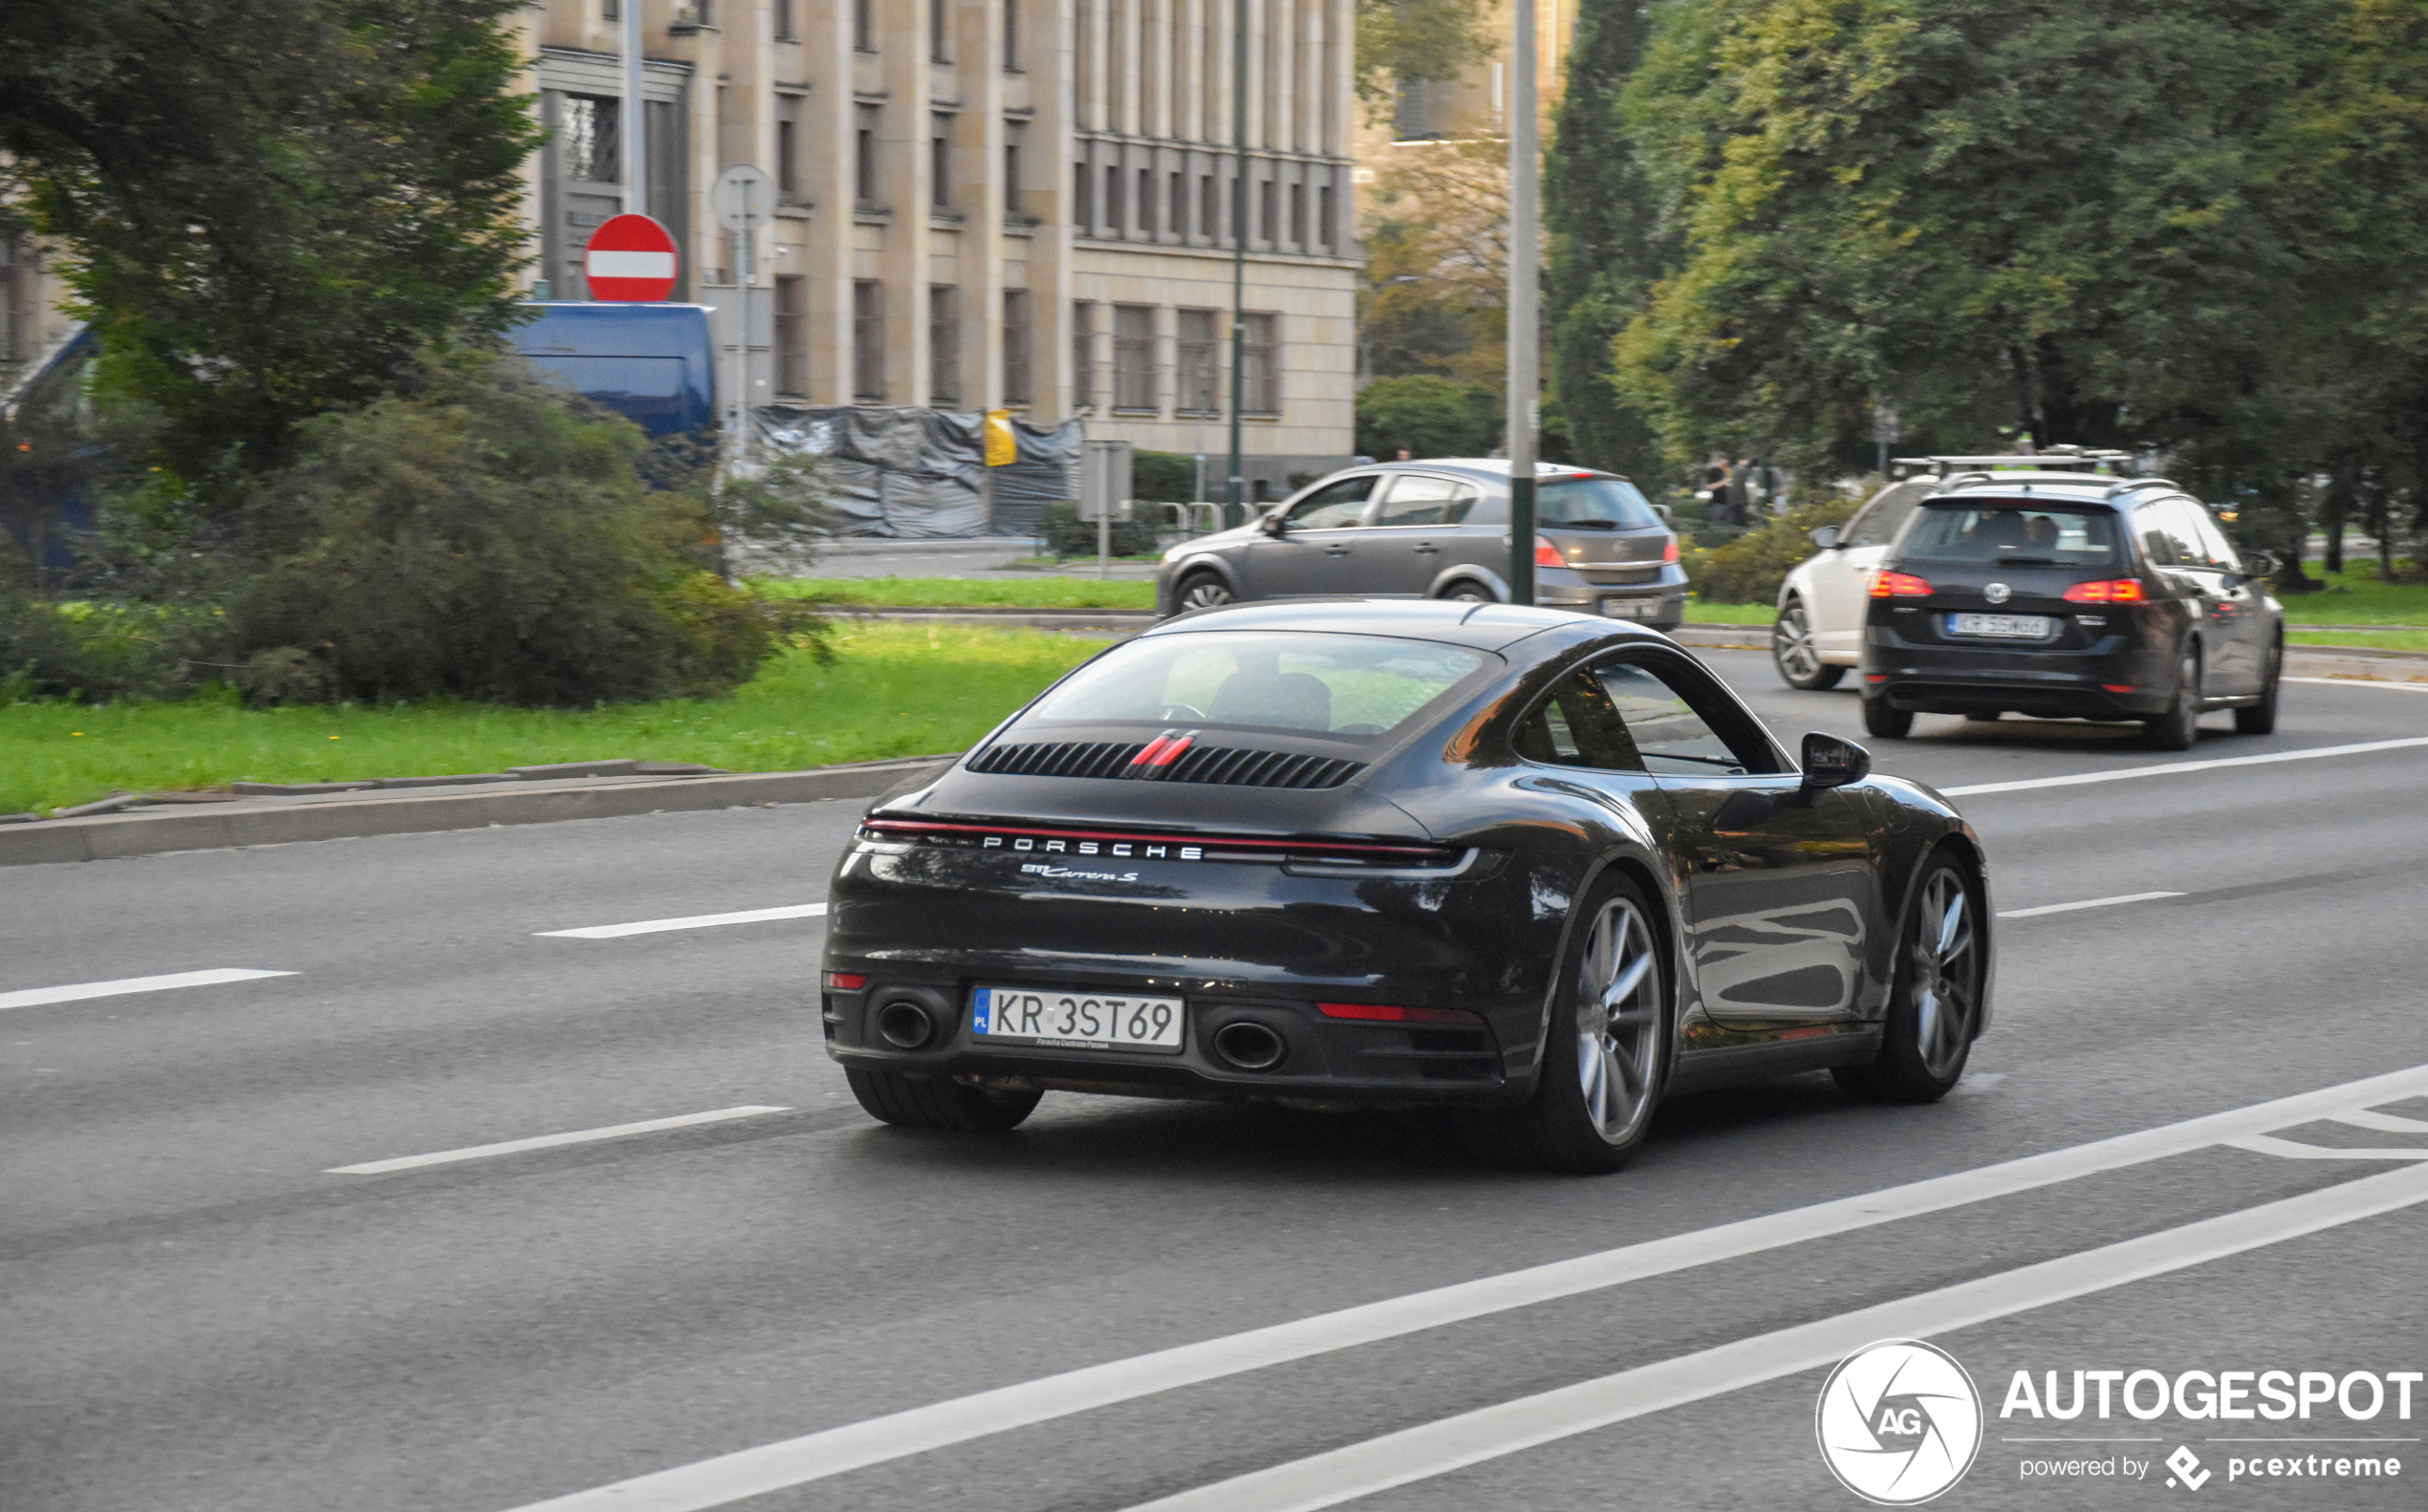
(1440, 530)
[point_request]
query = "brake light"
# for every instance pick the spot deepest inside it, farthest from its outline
(1546, 554)
(1669, 552)
(1380, 1013)
(2113, 590)
(846, 981)
(1163, 750)
(1899, 585)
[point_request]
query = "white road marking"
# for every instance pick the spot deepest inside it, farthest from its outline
(853, 1446)
(33, 996)
(1454, 1444)
(2363, 682)
(652, 926)
(2383, 1123)
(2088, 902)
(2177, 768)
(481, 1152)
(2295, 1150)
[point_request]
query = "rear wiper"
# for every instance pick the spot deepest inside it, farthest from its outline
(2026, 561)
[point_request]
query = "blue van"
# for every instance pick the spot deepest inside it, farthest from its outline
(654, 364)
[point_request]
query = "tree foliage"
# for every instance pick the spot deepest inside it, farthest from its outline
(270, 207)
(1437, 237)
(1414, 39)
(1429, 416)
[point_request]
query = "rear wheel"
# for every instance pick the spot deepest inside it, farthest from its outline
(1204, 590)
(2260, 719)
(939, 1103)
(1468, 594)
(2179, 728)
(1793, 652)
(1935, 1007)
(1607, 1054)
(1878, 718)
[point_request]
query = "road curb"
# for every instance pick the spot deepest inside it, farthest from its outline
(118, 836)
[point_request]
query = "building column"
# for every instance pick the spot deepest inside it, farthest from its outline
(909, 188)
(1053, 93)
(978, 195)
(827, 125)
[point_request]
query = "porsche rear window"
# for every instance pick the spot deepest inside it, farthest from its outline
(1311, 683)
(2007, 532)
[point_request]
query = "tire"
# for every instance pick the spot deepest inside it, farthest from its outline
(938, 1102)
(1793, 654)
(1203, 591)
(2260, 719)
(2179, 728)
(1935, 1002)
(1878, 718)
(1464, 592)
(1607, 1054)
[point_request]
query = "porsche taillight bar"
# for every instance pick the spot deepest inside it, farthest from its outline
(1209, 846)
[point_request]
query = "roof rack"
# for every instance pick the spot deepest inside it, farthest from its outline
(2056, 459)
(2129, 485)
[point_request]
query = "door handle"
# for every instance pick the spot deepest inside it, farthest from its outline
(1336, 551)
(1427, 548)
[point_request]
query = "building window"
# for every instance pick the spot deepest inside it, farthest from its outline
(1178, 199)
(1011, 36)
(1015, 346)
(784, 29)
(1083, 356)
(864, 158)
(1146, 200)
(1084, 211)
(586, 134)
(1298, 215)
(1210, 205)
(1199, 390)
(1259, 394)
(1014, 206)
(868, 340)
(611, 10)
(1113, 215)
(789, 335)
(1268, 222)
(787, 147)
(943, 344)
(1134, 356)
(864, 25)
(940, 162)
(1323, 216)
(939, 15)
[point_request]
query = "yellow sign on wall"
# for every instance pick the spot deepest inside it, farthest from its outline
(1003, 449)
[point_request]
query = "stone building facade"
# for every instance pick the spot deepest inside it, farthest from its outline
(994, 204)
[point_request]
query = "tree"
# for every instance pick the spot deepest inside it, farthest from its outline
(1400, 40)
(1605, 252)
(1437, 239)
(1428, 415)
(270, 207)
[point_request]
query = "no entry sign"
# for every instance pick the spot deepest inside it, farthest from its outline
(631, 257)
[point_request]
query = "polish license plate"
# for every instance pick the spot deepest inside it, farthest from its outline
(1076, 1020)
(2000, 627)
(1629, 608)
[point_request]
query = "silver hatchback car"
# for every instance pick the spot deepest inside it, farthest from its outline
(1440, 530)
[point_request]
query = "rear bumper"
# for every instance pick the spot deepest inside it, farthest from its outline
(2113, 678)
(1661, 605)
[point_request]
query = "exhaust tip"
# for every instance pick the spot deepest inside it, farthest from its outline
(1248, 1045)
(905, 1026)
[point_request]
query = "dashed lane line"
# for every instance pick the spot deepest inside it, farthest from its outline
(2088, 902)
(2177, 768)
(853, 1446)
(1455, 1443)
(482, 1152)
(654, 926)
(2363, 682)
(32, 997)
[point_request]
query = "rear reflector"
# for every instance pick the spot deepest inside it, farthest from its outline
(1899, 585)
(2116, 687)
(845, 980)
(1380, 1013)
(2113, 590)
(1875, 677)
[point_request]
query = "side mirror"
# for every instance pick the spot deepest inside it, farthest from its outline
(1833, 762)
(1274, 525)
(1668, 515)
(1826, 537)
(2261, 564)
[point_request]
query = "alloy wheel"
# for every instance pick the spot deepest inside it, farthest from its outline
(1618, 1021)
(1204, 593)
(1946, 978)
(1791, 644)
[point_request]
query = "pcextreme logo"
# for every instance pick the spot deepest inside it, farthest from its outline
(1899, 1422)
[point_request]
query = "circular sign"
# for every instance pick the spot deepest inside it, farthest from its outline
(1899, 1422)
(744, 198)
(631, 257)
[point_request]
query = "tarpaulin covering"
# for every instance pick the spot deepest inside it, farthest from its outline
(898, 471)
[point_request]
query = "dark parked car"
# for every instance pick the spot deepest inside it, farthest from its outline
(1440, 530)
(2064, 597)
(1522, 863)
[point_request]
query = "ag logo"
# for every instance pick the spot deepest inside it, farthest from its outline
(1998, 592)
(1899, 1422)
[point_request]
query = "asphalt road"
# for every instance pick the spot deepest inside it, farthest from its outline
(202, 1315)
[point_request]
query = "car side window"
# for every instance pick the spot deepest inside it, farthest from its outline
(1579, 727)
(1418, 498)
(2214, 545)
(1877, 524)
(1681, 722)
(1333, 506)
(2158, 541)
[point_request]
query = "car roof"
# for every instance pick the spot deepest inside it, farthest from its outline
(1481, 627)
(2066, 487)
(1496, 467)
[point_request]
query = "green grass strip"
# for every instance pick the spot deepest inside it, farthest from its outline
(966, 593)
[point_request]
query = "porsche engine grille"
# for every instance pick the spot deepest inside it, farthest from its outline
(1229, 766)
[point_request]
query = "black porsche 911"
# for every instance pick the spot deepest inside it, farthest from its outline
(1535, 866)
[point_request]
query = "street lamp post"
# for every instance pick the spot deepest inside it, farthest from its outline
(1525, 187)
(1233, 501)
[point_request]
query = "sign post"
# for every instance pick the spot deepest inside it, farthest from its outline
(630, 258)
(743, 200)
